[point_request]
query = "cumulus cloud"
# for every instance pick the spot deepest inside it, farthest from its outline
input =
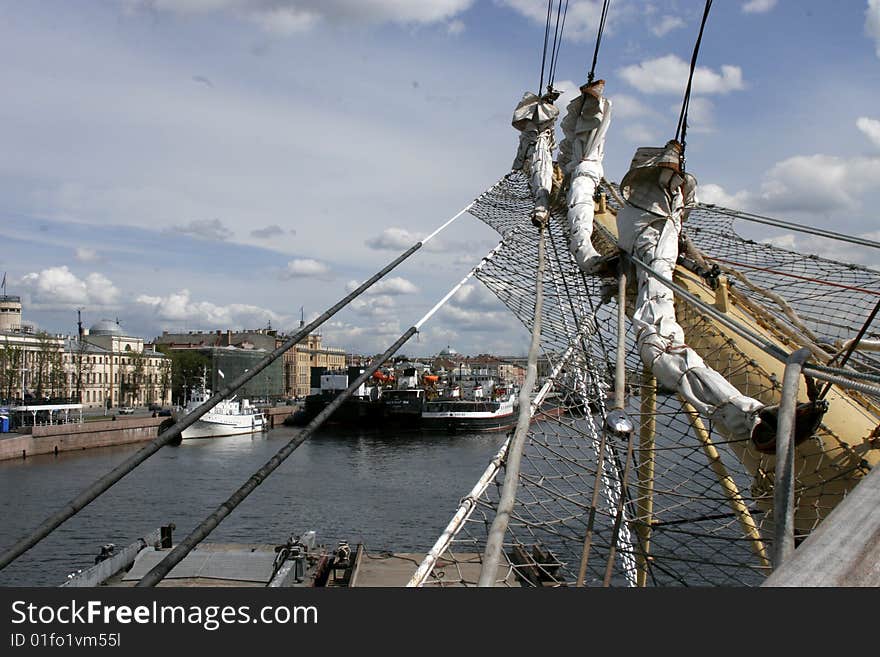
(390, 286)
(872, 22)
(870, 127)
(819, 183)
(701, 114)
(268, 232)
(669, 74)
(371, 337)
(713, 194)
(758, 6)
(86, 255)
(58, 287)
(825, 248)
(206, 229)
(814, 184)
(666, 25)
(787, 241)
(581, 21)
(397, 239)
(179, 308)
(293, 16)
(475, 308)
(375, 307)
(305, 268)
(392, 238)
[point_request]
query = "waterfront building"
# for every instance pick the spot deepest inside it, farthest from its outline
(232, 352)
(299, 361)
(104, 367)
(108, 367)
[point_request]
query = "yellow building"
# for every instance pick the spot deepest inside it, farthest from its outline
(299, 361)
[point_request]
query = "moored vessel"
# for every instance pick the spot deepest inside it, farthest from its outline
(228, 418)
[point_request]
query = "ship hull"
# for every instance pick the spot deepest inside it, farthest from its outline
(219, 428)
(465, 424)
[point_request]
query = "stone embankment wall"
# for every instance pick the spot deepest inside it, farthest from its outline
(52, 439)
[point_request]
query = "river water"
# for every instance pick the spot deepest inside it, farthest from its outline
(389, 492)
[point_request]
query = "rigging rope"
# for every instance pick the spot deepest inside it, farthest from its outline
(853, 345)
(599, 33)
(681, 131)
(546, 36)
(779, 223)
(557, 42)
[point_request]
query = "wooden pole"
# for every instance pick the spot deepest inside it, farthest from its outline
(728, 486)
(645, 497)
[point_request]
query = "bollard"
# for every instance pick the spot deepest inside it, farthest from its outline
(783, 490)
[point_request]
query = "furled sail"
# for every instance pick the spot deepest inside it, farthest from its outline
(580, 157)
(658, 196)
(535, 118)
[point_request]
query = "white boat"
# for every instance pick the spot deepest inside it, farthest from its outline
(227, 418)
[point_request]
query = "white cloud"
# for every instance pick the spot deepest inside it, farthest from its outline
(58, 287)
(819, 183)
(711, 193)
(813, 184)
(871, 128)
(669, 74)
(581, 21)
(86, 255)
(629, 107)
(758, 6)
(293, 16)
(371, 338)
(392, 238)
(826, 248)
(872, 22)
(701, 115)
(397, 239)
(390, 286)
(305, 268)
(666, 25)
(787, 241)
(179, 309)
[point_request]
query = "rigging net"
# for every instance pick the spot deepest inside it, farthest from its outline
(695, 508)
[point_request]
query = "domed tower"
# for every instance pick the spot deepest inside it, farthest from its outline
(106, 327)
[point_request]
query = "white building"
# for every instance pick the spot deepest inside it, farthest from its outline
(104, 368)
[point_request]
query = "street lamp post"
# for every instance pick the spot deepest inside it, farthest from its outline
(23, 370)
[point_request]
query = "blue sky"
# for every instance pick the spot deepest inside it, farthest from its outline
(204, 164)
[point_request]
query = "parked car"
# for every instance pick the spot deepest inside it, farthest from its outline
(126, 410)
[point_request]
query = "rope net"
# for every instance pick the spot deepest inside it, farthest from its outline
(690, 506)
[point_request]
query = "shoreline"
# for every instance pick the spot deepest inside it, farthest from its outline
(75, 436)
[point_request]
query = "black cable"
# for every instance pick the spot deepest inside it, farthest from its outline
(546, 36)
(557, 42)
(852, 347)
(681, 131)
(599, 33)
